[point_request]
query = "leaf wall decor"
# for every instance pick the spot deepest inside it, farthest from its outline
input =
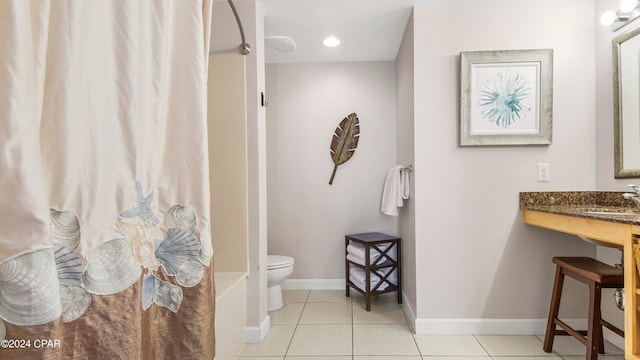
(344, 141)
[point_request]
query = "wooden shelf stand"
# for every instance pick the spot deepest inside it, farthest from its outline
(380, 266)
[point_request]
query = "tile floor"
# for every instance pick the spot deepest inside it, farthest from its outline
(327, 325)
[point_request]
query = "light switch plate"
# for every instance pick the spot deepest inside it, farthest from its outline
(544, 172)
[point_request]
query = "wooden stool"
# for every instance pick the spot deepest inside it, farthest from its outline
(597, 275)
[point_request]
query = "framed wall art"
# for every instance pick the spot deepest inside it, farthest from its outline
(506, 97)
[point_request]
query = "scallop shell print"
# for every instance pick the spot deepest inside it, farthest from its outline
(175, 249)
(111, 268)
(65, 228)
(190, 273)
(68, 265)
(3, 330)
(75, 301)
(206, 251)
(29, 290)
(181, 217)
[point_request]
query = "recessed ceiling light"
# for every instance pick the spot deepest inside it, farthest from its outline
(628, 5)
(331, 41)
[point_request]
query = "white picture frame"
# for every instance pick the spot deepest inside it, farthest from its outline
(506, 97)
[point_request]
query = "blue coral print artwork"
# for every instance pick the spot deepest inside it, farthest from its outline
(504, 98)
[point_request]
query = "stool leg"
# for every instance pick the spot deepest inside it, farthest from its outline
(553, 310)
(594, 331)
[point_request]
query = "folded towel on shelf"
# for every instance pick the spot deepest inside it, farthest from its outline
(356, 249)
(362, 285)
(355, 259)
(358, 277)
(395, 190)
(356, 253)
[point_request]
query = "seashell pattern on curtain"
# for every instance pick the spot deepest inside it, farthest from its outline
(105, 241)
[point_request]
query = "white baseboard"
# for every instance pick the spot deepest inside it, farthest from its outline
(474, 326)
(407, 309)
(313, 284)
(486, 326)
(255, 334)
(480, 326)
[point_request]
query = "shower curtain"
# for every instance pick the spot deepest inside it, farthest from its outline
(105, 249)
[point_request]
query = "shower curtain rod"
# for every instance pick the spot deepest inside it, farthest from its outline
(245, 49)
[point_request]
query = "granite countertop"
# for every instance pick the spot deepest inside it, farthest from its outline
(598, 205)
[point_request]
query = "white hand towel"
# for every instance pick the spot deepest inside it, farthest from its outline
(356, 259)
(395, 190)
(355, 249)
(362, 285)
(356, 253)
(358, 278)
(360, 281)
(359, 275)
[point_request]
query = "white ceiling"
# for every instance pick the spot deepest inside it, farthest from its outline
(369, 30)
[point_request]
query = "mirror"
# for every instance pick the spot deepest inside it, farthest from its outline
(626, 104)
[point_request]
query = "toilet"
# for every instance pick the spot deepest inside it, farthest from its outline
(279, 268)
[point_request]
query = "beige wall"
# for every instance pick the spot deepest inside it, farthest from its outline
(225, 39)
(307, 217)
(228, 161)
(478, 266)
(405, 155)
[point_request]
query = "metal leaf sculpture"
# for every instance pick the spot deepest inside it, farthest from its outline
(344, 141)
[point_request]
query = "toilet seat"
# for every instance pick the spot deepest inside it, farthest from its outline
(278, 262)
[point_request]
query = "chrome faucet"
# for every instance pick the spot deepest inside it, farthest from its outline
(635, 196)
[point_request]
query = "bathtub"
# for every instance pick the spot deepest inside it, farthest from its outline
(231, 313)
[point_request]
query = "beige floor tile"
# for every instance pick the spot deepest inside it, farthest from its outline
(275, 343)
(288, 314)
(260, 358)
(390, 339)
(568, 345)
(386, 297)
(512, 345)
(298, 296)
(393, 357)
(549, 356)
(326, 313)
(381, 313)
(600, 357)
(328, 296)
(437, 357)
(450, 345)
(321, 340)
(318, 358)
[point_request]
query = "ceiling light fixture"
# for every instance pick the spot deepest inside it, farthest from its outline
(628, 10)
(331, 41)
(628, 5)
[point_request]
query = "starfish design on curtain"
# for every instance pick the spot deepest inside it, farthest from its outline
(143, 210)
